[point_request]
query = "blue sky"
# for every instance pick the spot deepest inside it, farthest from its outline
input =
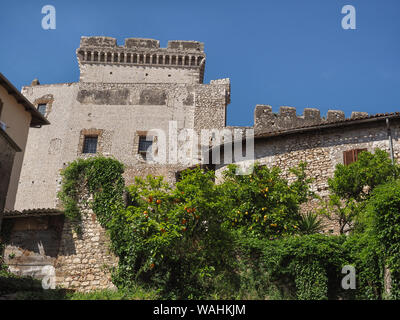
(276, 52)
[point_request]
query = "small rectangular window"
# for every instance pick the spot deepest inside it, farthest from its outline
(145, 146)
(90, 144)
(42, 108)
(351, 156)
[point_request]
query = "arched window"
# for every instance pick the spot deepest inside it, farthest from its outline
(81, 55)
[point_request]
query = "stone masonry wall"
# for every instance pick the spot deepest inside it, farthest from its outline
(84, 261)
(119, 111)
(140, 61)
(322, 150)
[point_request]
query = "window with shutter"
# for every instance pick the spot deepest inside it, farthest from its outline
(351, 156)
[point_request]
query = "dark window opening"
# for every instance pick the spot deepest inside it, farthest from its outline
(90, 144)
(42, 108)
(145, 146)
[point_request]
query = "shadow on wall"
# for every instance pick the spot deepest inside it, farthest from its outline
(34, 243)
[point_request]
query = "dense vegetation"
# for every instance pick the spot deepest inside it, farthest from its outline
(245, 237)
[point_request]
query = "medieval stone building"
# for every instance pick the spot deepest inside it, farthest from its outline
(125, 92)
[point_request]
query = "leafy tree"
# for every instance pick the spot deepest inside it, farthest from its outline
(177, 241)
(354, 183)
(357, 180)
(264, 204)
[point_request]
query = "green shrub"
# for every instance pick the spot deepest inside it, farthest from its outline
(307, 267)
(353, 184)
(383, 224)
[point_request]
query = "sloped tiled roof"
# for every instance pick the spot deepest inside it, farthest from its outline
(39, 212)
(37, 118)
(330, 124)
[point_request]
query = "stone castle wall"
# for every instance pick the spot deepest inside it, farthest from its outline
(322, 150)
(84, 261)
(118, 113)
(267, 121)
(140, 61)
(81, 261)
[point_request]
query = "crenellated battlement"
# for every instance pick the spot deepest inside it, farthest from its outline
(267, 121)
(140, 53)
(142, 43)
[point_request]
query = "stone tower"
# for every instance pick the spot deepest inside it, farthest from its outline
(140, 61)
(123, 93)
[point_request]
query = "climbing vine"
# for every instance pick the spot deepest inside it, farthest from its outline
(98, 179)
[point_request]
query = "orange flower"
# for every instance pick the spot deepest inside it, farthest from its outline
(150, 199)
(273, 225)
(152, 266)
(145, 212)
(158, 201)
